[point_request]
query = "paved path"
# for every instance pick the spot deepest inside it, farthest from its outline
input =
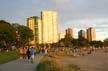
(97, 61)
(21, 65)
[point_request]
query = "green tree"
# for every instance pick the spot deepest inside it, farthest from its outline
(75, 42)
(96, 43)
(61, 42)
(25, 33)
(67, 42)
(105, 43)
(82, 42)
(7, 34)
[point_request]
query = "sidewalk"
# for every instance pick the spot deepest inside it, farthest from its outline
(21, 65)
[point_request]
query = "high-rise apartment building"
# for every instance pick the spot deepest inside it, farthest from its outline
(49, 26)
(34, 23)
(69, 33)
(61, 36)
(91, 34)
(82, 34)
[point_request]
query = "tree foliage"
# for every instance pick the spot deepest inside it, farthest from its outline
(7, 33)
(75, 42)
(105, 42)
(25, 33)
(96, 43)
(82, 42)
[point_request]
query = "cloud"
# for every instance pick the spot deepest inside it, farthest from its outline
(78, 14)
(61, 1)
(85, 23)
(100, 25)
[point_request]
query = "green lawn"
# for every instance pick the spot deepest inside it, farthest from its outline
(8, 56)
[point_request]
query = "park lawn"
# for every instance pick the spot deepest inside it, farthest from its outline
(8, 56)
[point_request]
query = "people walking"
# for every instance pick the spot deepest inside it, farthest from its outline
(46, 50)
(32, 52)
(28, 54)
(25, 53)
(21, 52)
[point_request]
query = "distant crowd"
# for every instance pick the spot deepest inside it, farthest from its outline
(82, 51)
(29, 52)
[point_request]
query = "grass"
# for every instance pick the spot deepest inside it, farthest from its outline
(73, 67)
(8, 56)
(48, 64)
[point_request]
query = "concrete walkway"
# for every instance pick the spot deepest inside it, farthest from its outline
(21, 65)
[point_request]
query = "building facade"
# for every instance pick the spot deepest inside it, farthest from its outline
(34, 23)
(61, 36)
(69, 33)
(82, 34)
(91, 34)
(49, 27)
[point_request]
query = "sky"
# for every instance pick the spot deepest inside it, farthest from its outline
(76, 14)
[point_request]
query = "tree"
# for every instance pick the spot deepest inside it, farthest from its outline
(96, 43)
(61, 42)
(67, 42)
(25, 33)
(82, 42)
(7, 34)
(75, 42)
(105, 43)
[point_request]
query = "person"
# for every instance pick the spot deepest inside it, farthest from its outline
(46, 50)
(32, 52)
(25, 52)
(21, 52)
(28, 54)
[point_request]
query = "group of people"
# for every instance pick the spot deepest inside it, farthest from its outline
(27, 52)
(43, 50)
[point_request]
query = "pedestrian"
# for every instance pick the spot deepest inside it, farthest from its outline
(46, 50)
(21, 52)
(25, 53)
(32, 52)
(28, 54)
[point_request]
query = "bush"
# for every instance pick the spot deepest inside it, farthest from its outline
(48, 64)
(73, 67)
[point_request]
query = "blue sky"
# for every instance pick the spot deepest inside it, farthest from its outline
(77, 14)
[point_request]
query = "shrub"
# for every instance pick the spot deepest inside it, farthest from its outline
(48, 64)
